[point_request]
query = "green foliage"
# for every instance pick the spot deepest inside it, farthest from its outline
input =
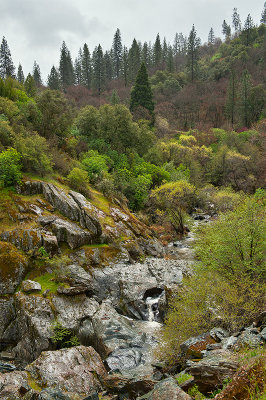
(78, 179)
(183, 377)
(234, 244)
(63, 337)
(141, 94)
(195, 393)
(10, 167)
(6, 133)
(95, 165)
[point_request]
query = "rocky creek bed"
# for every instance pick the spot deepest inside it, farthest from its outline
(112, 303)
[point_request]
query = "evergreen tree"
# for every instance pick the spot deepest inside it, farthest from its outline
(244, 103)
(6, 64)
(157, 52)
(230, 107)
(115, 99)
(164, 53)
(193, 53)
(117, 54)
(263, 15)
(247, 31)
(141, 94)
(36, 73)
(226, 30)
(20, 76)
(66, 69)
(108, 61)
(98, 70)
(170, 60)
(30, 86)
(53, 79)
(145, 54)
(78, 68)
(133, 61)
(211, 37)
(125, 67)
(86, 67)
(236, 23)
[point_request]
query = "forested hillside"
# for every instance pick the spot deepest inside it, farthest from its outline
(136, 146)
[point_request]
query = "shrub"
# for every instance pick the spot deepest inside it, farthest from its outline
(78, 180)
(10, 167)
(63, 337)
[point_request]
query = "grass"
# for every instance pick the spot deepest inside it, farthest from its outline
(47, 283)
(183, 377)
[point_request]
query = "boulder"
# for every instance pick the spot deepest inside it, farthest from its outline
(8, 331)
(210, 372)
(13, 385)
(250, 337)
(46, 394)
(165, 390)
(77, 370)
(77, 276)
(193, 347)
(30, 286)
(70, 233)
(34, 320)
(116, 383)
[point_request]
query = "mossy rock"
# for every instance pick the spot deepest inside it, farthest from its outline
(13, 266)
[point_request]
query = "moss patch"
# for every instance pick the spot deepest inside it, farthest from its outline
(47, 282)
(11, 260)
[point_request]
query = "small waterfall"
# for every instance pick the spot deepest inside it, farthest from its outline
(152, 304)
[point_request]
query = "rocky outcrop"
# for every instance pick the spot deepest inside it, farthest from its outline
(75, 371)
(210, 372)
(165, 390)
(34, 320)
(8, 331)
(13, 385)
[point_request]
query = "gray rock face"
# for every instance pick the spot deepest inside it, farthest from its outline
(128, 285)
(77, 370)
(26, 239)
(30, 286)
(13, 385)
(250, 337)
(8, 331)
(34, 320)
(212, 370)
(70, 233)
(165, 390)
(194, 346)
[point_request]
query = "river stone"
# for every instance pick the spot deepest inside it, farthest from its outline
(165, 390)
(77, 370)
(30, 286)
(210, 372)
(34, 321)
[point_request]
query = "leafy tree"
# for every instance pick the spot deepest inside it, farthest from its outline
(56, 114)
(175, 198)
(193, 53)
(98, 70)
(30, 86)
(66, 69)
(53, 79)
(211, 37)
(20, 75)
(6, 64)
(37, 74)
(86, 67)
(95, 165)
(141, 94)
(117, 53)
(10, 167)
(78, 178)
(88, 122)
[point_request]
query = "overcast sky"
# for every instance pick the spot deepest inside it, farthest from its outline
(35, 29)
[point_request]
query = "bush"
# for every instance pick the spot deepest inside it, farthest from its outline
(78, 180)
(10, 167)
(63, 337)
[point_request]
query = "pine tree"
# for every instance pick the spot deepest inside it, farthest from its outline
(98, 70)
(226, 30)
(115, 99)
(263, 15)
(125, 67)
(108, 61)
(230, 106)
(170, 60)
(244, 103)
(164, 53)
(133, 61)
(157, 52)
(78, 68)
(141, 94)
(6, 64)
(86, 67)
(20, 75)
(236, 23)
(193, 53)
(247, 31)
(53, 79)
(211, 37)
(66, 68)
(30, 86)
(117, 54)
(36, 73)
